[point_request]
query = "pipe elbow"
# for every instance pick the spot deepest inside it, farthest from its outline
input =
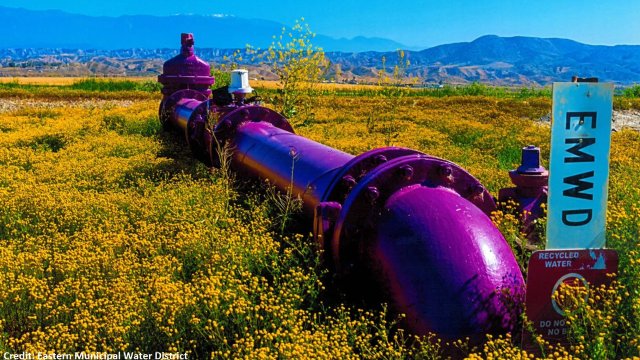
(442, 262)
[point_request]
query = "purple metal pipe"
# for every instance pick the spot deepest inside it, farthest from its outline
(433, 254)
(445, 264)
(412, 225)
(418, 226)
(184, 109)
(286, 159)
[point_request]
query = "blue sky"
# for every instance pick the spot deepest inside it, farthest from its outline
(412, 22)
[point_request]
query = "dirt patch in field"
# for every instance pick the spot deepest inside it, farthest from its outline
(626, 118)
(621, 119)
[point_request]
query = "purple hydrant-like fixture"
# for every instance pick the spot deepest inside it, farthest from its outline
(531, 182)
(412, 229)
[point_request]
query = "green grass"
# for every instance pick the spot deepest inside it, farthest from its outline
(627, 98)
(93, 84)
(84, 89)
(105, 188)
(474, 89)
(631, 92)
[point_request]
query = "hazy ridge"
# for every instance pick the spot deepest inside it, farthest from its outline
(138, 45)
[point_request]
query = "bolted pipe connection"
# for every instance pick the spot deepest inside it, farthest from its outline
(407, 227)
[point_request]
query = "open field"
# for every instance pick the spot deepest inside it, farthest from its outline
(113, 238)
(57, 81)
(53, 80)
(260, 84)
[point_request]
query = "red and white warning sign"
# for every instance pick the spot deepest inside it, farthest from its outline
(548, 270)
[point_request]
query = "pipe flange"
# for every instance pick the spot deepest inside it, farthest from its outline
(196, 131)
(167, 105)
(230, 118)
(358, 167)
(365, 202)
(228, 124)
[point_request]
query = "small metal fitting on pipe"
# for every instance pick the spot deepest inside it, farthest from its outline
(239, 87)
(531, 188)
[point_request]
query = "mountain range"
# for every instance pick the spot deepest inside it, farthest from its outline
(58, 29)
(513, 61)
(137, 45)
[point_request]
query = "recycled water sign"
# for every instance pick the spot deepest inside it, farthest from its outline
(579, 165)
(548, 271)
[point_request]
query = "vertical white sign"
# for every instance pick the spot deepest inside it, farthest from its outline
(579, 165)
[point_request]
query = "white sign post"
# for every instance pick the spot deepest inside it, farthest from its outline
(577, 207)
(579, 165)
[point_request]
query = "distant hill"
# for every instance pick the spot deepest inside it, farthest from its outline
(527, 59)
(57, 29)
(509, 61)
(54, 41)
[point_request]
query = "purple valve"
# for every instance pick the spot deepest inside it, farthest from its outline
(530, 191)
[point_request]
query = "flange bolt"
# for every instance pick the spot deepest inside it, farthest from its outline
(379, 159)
(372, 193)
(406, 171)
(348, 181)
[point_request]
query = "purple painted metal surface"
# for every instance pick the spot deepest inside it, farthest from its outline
(268, 152)
(417, 225)
(414, 226)
(444, 263)
(186, 71)
(531, 180)
(186, 81)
